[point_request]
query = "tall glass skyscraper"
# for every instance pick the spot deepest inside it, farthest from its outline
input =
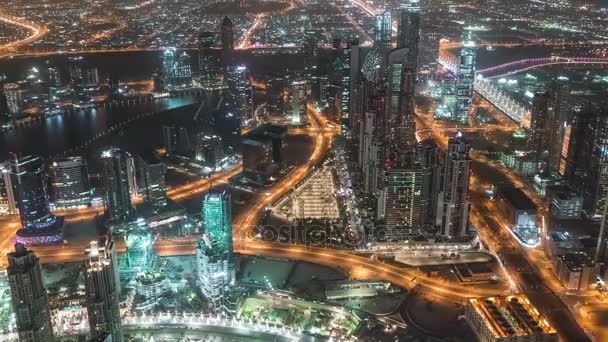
(70, 182)
(466, 76)
(217, 218)
(239, 97)
(29, 181)
(116, 174)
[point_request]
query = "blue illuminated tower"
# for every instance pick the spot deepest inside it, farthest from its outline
(29, 180)
(466, 77)
(214, 255)
(217, 219)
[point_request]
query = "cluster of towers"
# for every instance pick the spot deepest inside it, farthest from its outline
(415, 194)
(102, 291)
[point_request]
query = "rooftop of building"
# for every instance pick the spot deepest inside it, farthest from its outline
(265, 132)
(517, 198)
(575, 261)
(511, 316)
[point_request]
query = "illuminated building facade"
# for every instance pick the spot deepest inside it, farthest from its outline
(29, 297)
(427, 158)
(8, 204)
(176, 69)
(298, 99)
(151, 180)
(14, 99)
(239, 96)
(383, 30)
(217, 218)
(399, 204)
(139, 249)
(455, 194)
(39, 226)
(466, 77)
(511, 318)
(102, 291)
(116, 174)
(210, 70)
(408, 32)
(70, 182)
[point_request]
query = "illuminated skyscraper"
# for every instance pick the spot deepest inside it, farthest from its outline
(210, 70)
(587, 162)
(214, 255)
(152, 185)
(217, 218)
(139, 249)
(383, 30)
(29, 298)
(466, 77)
(102, 292)
(405, 124)
(408, 33)
(559, 110)
(298, 99)
(82, 75)
(427, 160)
(177, 70)
(116, 174)
(455, 194)
(4, 110)
(540, 135)
(29, 181)
(70, 182)
(399, 204)
(8, 204)
(14, 100)
(239, 96)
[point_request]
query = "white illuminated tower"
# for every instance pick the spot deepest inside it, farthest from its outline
(102, 292)
(466, 77)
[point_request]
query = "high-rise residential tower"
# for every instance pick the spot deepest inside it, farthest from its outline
(29, 298)
(455, 194)
(116, 173)
(102, 288)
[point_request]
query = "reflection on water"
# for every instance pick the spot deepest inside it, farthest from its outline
(56, 134)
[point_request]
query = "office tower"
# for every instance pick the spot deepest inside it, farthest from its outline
(427, 159)
(102, 292)
(239, 93)
(539, 136)
(39, 226)
(217, 218)
(14, 100)
(396, 59)
(70, 182)
(151, 182)
(559, 111)
(383, 30)
(209, 63)
(408, 32)
(355, 76)
(455, 194)
(466, 77)
(8, 204)
(297, 102)
(29, 298)
(116, 176)
(227, 37)
(169, 139)
(587, 162)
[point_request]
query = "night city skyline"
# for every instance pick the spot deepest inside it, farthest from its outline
(312, 170)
